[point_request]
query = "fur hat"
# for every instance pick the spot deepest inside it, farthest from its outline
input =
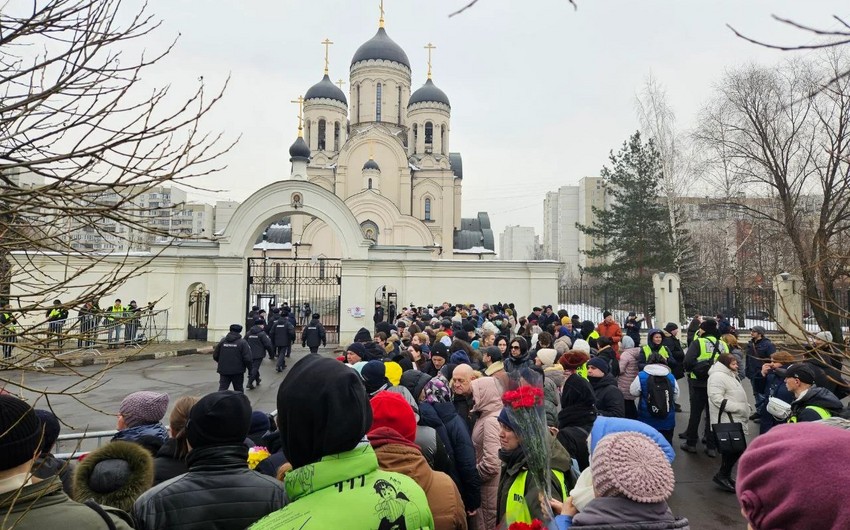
(573, 359)
(219, 418)
(115, 474)
(391, 410)
(547, 356)
(631, 465)
(143, 408)
(20, 432)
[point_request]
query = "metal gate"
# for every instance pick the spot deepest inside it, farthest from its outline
(199, 313)
(306, 285)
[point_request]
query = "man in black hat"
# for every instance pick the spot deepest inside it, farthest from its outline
(702, 353)
(30, 502)
(260, 344)
(812, 402)
(219, 492)
(314, 335)
(233, 355)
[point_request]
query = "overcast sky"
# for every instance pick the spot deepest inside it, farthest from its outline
(540, 93)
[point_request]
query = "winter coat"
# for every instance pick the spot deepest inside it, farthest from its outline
(609, 399)
(313, 335)
(233, 354)
(612, 330)
(620, 513)
(43, 505)
(282, 332)
(628, 371)
(397, 455)
(739, 355)
(348, 490)
(633, 329)
(428, 418)
(219, 488)
(723, 384)
(758, 351)
(818, 397)
(166, 465)
(259, 342)
(674, 347)
(639, 389)
(138, 434)
(101, 477)
(47, 466)
(515, 462)
(485, 439)
(555, 373)
(551, 402)
(774, 387)
(463, 453)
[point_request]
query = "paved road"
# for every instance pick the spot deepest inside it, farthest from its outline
(695, 497)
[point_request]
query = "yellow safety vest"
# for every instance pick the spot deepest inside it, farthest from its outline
(582, 370)
(516, 510)
(54, 313)
(10, 323)
(822, 412)
(704, 353)
(113, 310)
(593, 335)
(647, 351)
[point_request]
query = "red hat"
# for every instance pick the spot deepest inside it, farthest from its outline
(391, 410)
(573, 359)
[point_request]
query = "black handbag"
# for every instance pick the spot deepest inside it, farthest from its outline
(730, 436)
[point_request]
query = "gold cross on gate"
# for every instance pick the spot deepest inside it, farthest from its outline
(429, 47)
(300, 102)
(381, 21)
(340, 83)
(327, 42)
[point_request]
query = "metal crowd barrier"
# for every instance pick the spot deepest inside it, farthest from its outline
(78, 440)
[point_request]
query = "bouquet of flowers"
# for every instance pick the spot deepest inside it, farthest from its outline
(256, 455)
(536, 524)
(525, 408)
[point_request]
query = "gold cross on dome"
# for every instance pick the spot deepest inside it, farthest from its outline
(327, 42)
(340, 83)
(429, 47)
(381, 21)
(300, 102)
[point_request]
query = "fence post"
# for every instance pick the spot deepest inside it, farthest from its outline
(666, 287)
(789, 305)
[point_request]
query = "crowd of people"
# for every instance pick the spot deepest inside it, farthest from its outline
(412, 428)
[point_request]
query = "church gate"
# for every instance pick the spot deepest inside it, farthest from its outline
(296, 282)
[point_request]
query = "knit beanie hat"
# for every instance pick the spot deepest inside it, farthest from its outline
(390, 409)
(115, 474)
(460, 357)
(259, 422)
(440, 350)
(393, 371)
(220, 418)
(573, 359)
(505, 418)
(709, 325)
(236, 328)
(671, 326)
(626, 342)
(362, 335)
(786, 479)
(547, 356)
(358, 349)
(143, 408)
(582, 346)
(374, 375)
(600, 363)
(631, 465)
(322, 409)
(20, 432)
(51, 429)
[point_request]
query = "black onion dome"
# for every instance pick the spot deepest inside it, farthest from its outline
(299, 149)
(326, 89)
(371, 164)
(429, 93)
(381, 47)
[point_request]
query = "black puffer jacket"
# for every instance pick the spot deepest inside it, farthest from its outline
(218, 493)
(609, 399)
(259, 342)
(166, 465)
(463, 453)
(233, 354)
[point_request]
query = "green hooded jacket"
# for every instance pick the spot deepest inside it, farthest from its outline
(347, 490)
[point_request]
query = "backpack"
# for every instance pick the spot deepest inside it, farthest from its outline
(659, 396)
(700, 369)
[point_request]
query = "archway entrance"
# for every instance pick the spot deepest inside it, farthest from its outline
(199, 312)
(387, 296)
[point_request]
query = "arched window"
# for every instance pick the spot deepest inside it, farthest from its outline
(443, 139)
(429, 136)
(415, 136)
(427, 209)
(277, 271)
(357, 89)
(399, 105)
(336, 136)
(307, 133)
(321, 145)
(378, 103)
(370, 183)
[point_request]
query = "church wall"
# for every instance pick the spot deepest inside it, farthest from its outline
(366, 76)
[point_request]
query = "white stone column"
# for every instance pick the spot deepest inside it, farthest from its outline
(666, 286)
(789, 305)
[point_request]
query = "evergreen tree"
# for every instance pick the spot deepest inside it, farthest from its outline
(632, 234)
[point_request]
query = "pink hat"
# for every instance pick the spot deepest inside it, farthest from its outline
(143, 408)
(631, 465)
(795, 476)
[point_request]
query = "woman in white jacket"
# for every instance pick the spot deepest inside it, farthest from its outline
(723, 384)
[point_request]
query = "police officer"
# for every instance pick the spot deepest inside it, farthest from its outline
(8, 331)
(702, 352)
(811, 403)
(260, 343)
(282, 334)
(114, 316)
(313, 335)
(233, 355)
(56, 317)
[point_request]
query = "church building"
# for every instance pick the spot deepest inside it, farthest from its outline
(385, 150)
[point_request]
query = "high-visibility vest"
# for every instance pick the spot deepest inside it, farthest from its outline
(822, 412)
(113, 310)
(55, 312)
(593, 335)
(516, 509)
(647, 351)
(10, 322)
(705, 353)
(582, 370)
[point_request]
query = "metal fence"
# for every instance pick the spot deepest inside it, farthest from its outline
(744, 308)
(590, 302)
(88, 332)
(70, 446)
